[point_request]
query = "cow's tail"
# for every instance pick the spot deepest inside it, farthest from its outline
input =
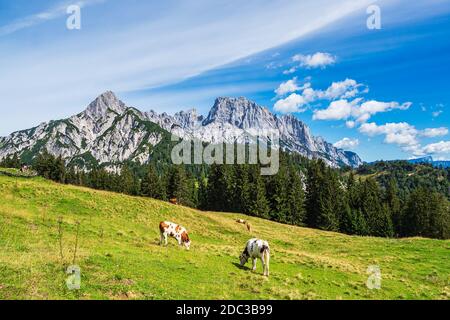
(266, 257)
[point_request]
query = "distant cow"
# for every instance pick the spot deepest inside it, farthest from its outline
(244, 222)
(176, 231)
(173, 201)
(256, 249)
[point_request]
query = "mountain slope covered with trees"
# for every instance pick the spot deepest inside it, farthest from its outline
(390, 202)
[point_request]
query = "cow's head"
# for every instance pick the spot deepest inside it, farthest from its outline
(186, 241)
(244, 257)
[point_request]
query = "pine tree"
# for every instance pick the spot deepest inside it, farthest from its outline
(376, 214)
(203, 193)
(43, 164)
(71, 176)
(217, 189)
(278, 195)
(360, 226)
(178, 186)
(15, 162)
(192, 190)
(426, 214)
(313, 193)
(323, 188)
(259, 205)
(127, 181)
(394, 205)
(296, 199)
(152, 185)
(232, 180)
(243, 190)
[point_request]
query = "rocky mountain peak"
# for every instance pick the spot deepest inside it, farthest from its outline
(239, 112)
(106, 133)
(105, 102)
(188, 119)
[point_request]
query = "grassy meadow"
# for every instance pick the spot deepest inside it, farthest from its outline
(120, 258)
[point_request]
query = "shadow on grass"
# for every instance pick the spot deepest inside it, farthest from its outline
(240, 267)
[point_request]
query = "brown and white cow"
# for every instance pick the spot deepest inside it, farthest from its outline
(244, 222)
(176, 231)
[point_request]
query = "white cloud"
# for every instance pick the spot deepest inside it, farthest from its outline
(398, 133)
(290, 104)
(439, 147)
(337, 110)
(402, 134)
(290, 71)
(406, 136)
(316, 60)
(437, 113)
(288, 87)
(342, 89)
(350, 124)
(434, 132)
(337, 90)
(347, 143)
(372, 107)
(357, 111)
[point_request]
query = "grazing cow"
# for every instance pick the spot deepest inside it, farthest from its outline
(175, 231)
(254, 249)
(244, 222)
(173, 201)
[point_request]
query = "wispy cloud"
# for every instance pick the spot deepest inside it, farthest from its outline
(41, 17)
(181, 39)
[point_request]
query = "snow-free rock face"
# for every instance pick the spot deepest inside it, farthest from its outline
(107, 131)
(110, 132)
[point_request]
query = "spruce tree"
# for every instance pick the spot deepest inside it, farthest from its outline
(296, 198)
(178, 185)
(278, 195)
(151, 184)
(376, 214)
(313, 193)
(243, 189)
(203, 193)
(321, 197)
(217, 188)
(426, 214)
(394, 205)
(127, 183)
(259, 204)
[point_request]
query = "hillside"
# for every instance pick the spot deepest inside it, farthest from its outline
(120, 257)
(408, 176)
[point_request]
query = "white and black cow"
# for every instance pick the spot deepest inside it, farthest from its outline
(176, 231)
(256, 249)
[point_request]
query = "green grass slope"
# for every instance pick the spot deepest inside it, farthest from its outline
(120, 258)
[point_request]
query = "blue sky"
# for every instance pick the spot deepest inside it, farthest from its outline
(390, 98)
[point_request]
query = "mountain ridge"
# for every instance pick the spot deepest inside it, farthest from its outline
(111, 132)
(430, 160)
